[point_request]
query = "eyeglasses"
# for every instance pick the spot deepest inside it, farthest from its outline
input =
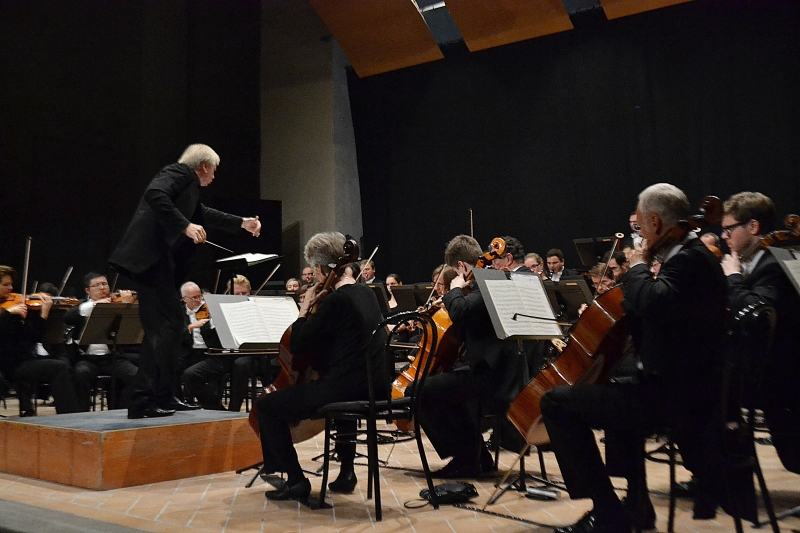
(98, 285)
(726, 230)
(195, 298)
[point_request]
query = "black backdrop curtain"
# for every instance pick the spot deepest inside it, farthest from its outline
(552, 139)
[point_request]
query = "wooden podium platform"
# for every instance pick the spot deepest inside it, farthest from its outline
(104, 450)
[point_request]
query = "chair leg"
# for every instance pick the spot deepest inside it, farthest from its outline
(773, 520)
(326, 461)
(672, 496)
(375, 474)
(426, 468)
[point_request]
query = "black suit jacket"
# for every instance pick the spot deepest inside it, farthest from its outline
(678, 327)
(170, 202)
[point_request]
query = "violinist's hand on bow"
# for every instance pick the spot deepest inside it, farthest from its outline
(195, 232)
(731, 264)
(253, 225)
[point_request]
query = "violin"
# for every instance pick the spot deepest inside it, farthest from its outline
(118, 297)
(202, 312)
(710, 213)
(34, 301)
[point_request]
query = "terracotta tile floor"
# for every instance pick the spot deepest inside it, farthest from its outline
(222, 504)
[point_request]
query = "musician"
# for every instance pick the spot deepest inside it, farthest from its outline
(392, 280)
(618, 264)
(292, 284)
(534, 263)
(492, 375)
(96, 359)
(555, 265)
(241, 286)
(20, 330)
(441, 277)
(514, 258)
(337, 334)
(367, 271)
(155, 252)
(602, 278)
(307, 275)
(677, 323)
(754, 275)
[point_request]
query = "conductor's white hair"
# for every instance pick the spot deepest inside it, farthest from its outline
(197, 154)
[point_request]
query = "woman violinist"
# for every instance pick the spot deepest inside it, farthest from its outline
(20, 330)
(337, 334)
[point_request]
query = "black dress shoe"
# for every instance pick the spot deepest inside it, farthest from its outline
(298, 491)
(590, 524)
(456, 470)
(487, 462)
(344, 484)
(177, 404)
(685, 489)
(149, 412)
(644, 519)
(24, 414)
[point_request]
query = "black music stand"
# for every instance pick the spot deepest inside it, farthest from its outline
(380, 293)
(405, 298)
(114, 324)
(567, 296)
(236, 264)
(591, 250)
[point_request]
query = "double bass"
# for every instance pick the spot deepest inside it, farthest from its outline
(448, 345)
(598, 341)
(299, 368)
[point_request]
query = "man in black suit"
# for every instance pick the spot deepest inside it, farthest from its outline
(513, 259)
(492, 374)
(555, 265)
(677, 322)
(754, 275)
(155, 253)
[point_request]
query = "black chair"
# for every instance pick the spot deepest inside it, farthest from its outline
(749, 343)
(381, 406)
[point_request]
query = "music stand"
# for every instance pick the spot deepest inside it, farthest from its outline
(422, 292)
(591, 250)
(239, 263)
(568, 296)
(380, 293)
(405, 298)
(114, 324)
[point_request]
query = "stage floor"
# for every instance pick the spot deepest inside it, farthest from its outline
(220, 503)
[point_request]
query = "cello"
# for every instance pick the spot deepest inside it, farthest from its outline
(299, 368)
(448, 345)
(598, 341)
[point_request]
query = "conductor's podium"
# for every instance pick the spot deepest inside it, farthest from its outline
(104, 450)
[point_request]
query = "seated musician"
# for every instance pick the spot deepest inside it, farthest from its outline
(534, 263)
(368, 274)
(201, 379)
(514, 258)
(95, 359)
(555, 266)
(20, 330)
(337, 335)
(447, 413)
(292, 284)
(392, 280)
(678, 324)
(755, 275)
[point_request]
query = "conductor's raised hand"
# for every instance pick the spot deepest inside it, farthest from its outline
(196, 233)
(253, 225)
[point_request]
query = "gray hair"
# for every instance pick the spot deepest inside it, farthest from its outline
(188, 285)
(323, 249)
(665, 200)
(196, 154)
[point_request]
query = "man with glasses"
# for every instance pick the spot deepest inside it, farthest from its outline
(93, 360)
(534, 263)
(754, 275)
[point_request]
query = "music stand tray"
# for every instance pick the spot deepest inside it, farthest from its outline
(114, 323)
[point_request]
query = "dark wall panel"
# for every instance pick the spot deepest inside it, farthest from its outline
(552, 139)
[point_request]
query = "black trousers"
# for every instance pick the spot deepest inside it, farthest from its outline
(161, 313)
(54, 371)
(119, 368)
(201, 379)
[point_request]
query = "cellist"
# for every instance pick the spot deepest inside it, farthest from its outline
(677, 324)
(337, 333)
(492, 364)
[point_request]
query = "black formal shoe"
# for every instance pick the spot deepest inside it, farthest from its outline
(23, 414)
(456, 470)
(590, 524)
(344, 484)
(644, 519)
(685, 489)
(150, 412)
(298, 491)
(177, 404)
(487, 462)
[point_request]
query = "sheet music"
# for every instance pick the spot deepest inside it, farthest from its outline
(792, 267)
(277, 314)
(245, 323)
(522, 296)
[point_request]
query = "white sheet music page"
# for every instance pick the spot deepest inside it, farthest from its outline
(277, 313)
(245, 323)
(511, 297)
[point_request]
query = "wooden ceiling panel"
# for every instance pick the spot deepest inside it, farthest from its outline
(489, 23)
(379, 35)
(622, 8)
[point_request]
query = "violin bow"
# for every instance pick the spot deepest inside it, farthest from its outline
(268, 278)
(64, 281)
(368, 260)
(25, 269)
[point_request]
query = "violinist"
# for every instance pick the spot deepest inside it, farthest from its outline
(200, 336)
(754, 275)
(337, 334)
(678, 325)
(96, 359)
(155, 252)
(534, 263)
(20, 330)
(491, 374)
